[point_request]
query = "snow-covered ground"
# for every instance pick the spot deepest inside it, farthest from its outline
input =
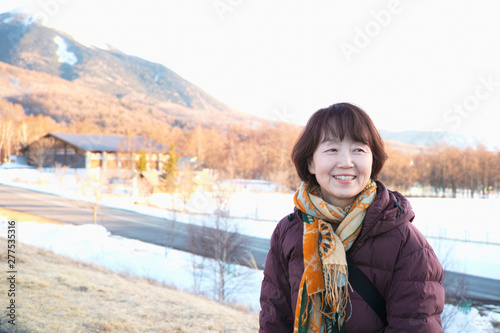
(94, 244)
(465, 234)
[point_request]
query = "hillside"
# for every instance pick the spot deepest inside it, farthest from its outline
(405, 148)
(57, 294)
(67, 102)
(100, 85)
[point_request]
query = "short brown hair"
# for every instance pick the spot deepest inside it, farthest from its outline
(337, 121)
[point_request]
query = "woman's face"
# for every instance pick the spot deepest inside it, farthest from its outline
(342, 169)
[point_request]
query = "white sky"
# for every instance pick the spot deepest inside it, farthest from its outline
(411, 65)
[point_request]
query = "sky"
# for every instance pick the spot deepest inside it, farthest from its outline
(411, 65)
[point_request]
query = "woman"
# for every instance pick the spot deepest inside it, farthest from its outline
(342, 214)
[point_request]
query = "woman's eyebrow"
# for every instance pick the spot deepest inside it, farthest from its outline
(330, 140)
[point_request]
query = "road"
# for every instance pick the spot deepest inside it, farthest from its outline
(120, 222)
(177, 235)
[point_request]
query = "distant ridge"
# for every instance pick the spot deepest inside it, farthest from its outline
(429, 138)
(48, 72)
(31, 46)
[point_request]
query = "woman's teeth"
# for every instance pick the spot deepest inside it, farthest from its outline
(344, 177)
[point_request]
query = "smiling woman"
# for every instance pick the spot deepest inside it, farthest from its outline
(346, 145)
(348, 122)
(345, 218)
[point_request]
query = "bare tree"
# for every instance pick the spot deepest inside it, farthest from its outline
(219, 239)
(186, 184)
(169, 228)
(95, 186)
(22, 135)
(454, 284)
(198, 269)
(41, 152)
(6, 135)
(60, 171)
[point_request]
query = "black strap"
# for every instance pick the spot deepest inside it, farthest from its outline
(366, 289)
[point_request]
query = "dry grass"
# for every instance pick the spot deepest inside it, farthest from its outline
(57, 294)
(25, 217)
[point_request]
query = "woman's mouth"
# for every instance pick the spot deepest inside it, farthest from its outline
(344, 178)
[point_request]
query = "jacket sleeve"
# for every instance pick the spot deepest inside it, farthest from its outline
(276, 313)
(416, 296)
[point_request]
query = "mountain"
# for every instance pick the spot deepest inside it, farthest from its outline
(422, 139)
(126, 80)
(48, 72)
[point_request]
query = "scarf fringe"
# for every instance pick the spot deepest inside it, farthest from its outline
(336, 297)
(337, 290)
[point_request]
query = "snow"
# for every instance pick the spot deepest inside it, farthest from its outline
(94, 244)
(464, 233)
(14, 165)
(466, 219)
(468, 319)
(28, 20)
(64, 55)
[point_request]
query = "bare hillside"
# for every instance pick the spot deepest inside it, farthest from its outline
(56, 294)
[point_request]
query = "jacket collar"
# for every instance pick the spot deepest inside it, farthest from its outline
(388, 211)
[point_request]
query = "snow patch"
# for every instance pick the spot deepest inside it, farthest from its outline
(14, 165)
(468, 319)
(94, 244)
(29, 19)
(64, 55)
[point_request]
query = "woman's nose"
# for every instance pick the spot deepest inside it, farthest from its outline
(345, 160)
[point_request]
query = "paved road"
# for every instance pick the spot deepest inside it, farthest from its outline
(177, 235)
(475, 288)
(117, 221)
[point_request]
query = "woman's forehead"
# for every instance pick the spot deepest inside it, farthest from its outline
(336, 140)
(336, 133)
(332, 137)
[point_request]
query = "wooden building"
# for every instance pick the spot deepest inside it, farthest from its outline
(95, 151)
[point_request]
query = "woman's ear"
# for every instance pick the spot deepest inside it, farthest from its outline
(310, 167)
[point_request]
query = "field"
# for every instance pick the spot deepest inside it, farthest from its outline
(57, 294)
(94, 294)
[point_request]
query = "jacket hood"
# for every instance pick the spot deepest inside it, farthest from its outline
(388, 211)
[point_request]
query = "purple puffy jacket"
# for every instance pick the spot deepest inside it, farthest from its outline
(390, 251)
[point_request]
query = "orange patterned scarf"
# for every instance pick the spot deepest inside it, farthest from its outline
(324, 287)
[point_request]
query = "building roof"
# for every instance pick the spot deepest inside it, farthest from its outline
(110, 143)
